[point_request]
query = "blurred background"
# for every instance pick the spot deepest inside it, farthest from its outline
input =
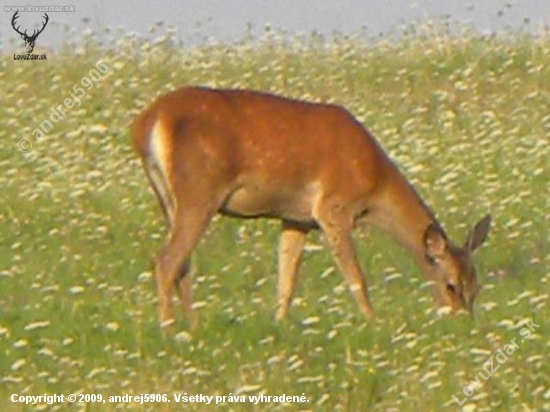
(207, 21)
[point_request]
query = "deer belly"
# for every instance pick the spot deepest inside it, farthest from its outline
(262, 201)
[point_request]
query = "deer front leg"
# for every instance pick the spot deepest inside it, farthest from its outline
(291, 247)
(338, 229)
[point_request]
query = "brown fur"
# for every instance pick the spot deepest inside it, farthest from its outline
(249, 154)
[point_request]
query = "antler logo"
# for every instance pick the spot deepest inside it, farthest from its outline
(29, 40)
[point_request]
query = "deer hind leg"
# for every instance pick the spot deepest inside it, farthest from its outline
(184, 284)
(173, 262)
(337, 227)
(291, 248)
(164, 197)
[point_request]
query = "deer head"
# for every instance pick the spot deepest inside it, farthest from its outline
(29, 40)
(452, 265)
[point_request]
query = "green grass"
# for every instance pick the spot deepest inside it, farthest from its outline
(465, 117)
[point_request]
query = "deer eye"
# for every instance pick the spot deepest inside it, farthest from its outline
(431, 259)
(451, 288)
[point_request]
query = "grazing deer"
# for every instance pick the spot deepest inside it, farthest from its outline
(313, 166)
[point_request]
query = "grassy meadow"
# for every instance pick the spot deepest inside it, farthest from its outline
(465, 116)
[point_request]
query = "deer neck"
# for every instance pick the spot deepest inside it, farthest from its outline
(400, 212)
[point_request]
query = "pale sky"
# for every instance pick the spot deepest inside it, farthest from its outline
(227, 20)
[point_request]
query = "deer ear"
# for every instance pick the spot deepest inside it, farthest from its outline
(478, 234)
(435, 242)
